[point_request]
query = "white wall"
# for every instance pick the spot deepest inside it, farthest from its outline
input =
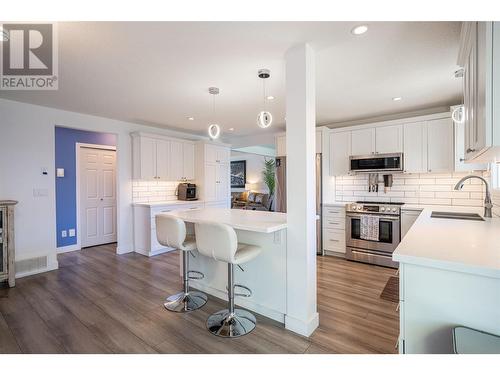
(255, 165)
(27, 145)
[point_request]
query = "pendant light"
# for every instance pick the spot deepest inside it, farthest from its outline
(213, 129)
(264, 119)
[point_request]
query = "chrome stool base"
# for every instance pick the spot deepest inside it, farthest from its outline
(224, 324)
(184, 302)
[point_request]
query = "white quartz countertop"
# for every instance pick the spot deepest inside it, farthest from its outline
(166, 203)
(458, 245)
(253, 221)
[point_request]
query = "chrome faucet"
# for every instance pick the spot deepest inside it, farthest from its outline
(487, 199)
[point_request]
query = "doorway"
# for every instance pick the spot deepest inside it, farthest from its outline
(97, 194)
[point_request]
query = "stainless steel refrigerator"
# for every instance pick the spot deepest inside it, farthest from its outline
(280, 205)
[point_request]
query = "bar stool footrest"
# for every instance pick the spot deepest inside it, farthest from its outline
(197, 275)
(246, 295)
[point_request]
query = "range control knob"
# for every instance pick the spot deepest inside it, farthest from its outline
(394, 209)
(359, 208)
(382, 209)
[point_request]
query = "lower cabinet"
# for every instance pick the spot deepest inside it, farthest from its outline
(145, 241)
(434, 300)
(334, 230)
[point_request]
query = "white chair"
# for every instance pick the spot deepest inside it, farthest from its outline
(171, 232)
(219, 242)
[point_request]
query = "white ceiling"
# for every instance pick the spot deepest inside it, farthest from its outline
(158, 73)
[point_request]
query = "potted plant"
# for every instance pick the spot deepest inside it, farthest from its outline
(269, 177)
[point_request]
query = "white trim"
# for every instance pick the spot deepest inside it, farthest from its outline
(69, 248)
(78, 147)
(302, 328)
(400, 121)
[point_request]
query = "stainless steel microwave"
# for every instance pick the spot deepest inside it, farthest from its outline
(377, 163)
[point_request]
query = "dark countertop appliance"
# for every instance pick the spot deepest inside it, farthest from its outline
(186, 192)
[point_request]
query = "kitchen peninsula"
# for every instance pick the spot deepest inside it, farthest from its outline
(266, 275)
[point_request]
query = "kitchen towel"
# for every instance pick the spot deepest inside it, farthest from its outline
(369, 227)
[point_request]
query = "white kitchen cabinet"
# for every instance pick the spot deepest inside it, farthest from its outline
(415, 147)
(150, 158)
(280, 141)
(363, 142)
(181, 160)
(145, 241)
(333, 226)
(460, 164)
(388, 139)
(408, 218)
(213, 173)
(479, 56)
(440, 145)
(340, 150)
(217, 154)
(155, 157)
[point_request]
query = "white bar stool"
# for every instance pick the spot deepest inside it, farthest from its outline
(219, 241)
(171, 232)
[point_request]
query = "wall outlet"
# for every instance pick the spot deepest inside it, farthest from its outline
(72, 233)
(64, 234)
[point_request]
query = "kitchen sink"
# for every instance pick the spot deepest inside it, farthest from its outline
(456, 215)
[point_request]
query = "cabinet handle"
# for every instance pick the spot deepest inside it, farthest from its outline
(461, 160)
(397, 307)
(469, 150)
(331, 239)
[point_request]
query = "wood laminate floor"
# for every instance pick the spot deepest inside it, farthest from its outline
(100, 302)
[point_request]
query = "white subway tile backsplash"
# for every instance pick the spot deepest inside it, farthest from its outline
(425, 188)
(153, 191)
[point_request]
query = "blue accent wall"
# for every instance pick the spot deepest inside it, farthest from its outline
(65, 156)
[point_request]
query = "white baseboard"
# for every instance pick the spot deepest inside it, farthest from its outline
(334, 254)
(124, 249)
(154, 252)
(67, 249)
(304, 328)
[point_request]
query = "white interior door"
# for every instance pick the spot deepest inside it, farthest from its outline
(97, 196)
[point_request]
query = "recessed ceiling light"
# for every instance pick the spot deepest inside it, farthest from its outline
(358, 30)
(231, 129)
(190, 118)
(270, 97)
(397, 98)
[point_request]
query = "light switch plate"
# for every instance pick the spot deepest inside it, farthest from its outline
(60, 172)
(72, 233)
(64, 234)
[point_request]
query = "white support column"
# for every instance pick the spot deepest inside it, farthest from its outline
(301, 316)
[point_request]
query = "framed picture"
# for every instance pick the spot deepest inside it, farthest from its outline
(238, 173)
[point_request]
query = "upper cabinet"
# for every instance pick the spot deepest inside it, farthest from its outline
(340, 151)
(388, 139)
(460, 164)
(415, 147)
(479, 56)
(363, 142)
(440, 145)
(428, 146)
(160, 158)
(377, 140)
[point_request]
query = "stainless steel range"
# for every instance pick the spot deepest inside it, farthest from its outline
(376, 250)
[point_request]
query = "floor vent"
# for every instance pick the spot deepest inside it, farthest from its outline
(32, 265)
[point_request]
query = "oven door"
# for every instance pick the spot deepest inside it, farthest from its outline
(389, 233)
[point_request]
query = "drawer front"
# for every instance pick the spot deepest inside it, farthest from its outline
(192, 206)
(334, 240)
(333, 212)
(334, 222)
